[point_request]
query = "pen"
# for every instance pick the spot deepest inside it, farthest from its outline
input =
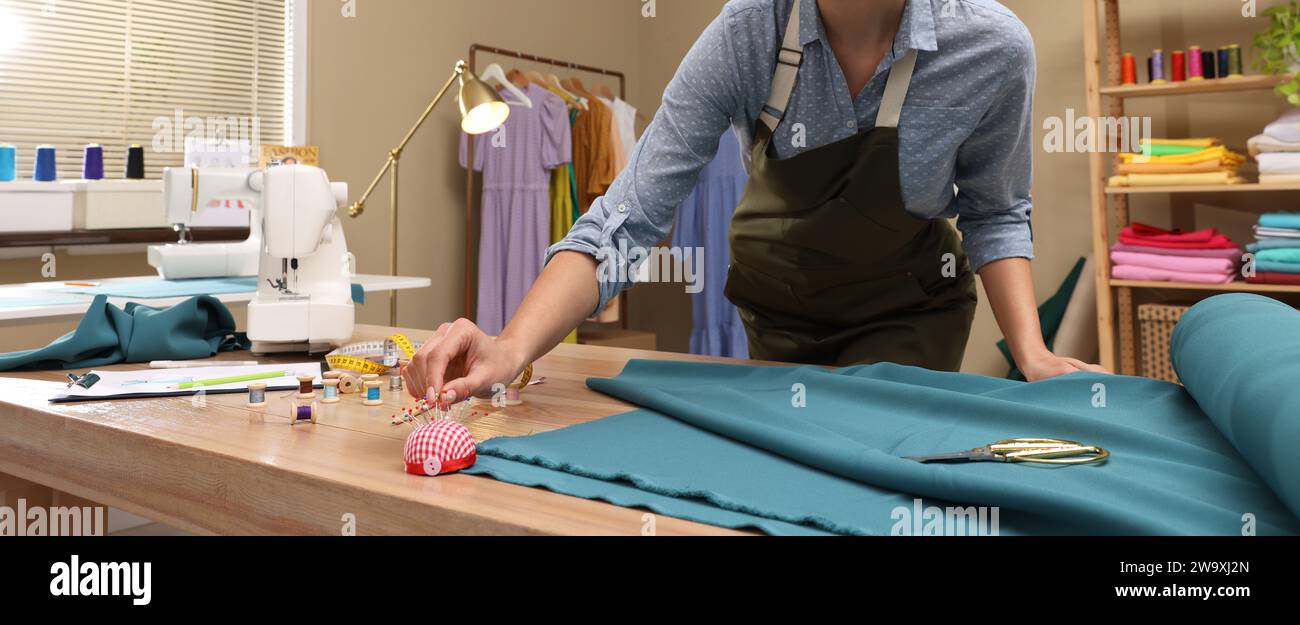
(234, 379)
(184, 364)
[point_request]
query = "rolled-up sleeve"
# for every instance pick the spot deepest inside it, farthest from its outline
(638, 210)
(994, 168)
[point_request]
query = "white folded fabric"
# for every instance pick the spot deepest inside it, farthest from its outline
(1276, 233)
(1260, 144)
(1279, 162)
(1285, 128)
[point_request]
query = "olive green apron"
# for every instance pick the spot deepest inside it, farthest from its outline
(827, 266)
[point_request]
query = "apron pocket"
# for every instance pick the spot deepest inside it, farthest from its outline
(854, 303)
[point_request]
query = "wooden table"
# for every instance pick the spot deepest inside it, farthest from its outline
(224, 468)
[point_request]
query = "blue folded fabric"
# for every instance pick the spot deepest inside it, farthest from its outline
(1239, 355)
(1280, 220)
(1272, 266)
(196, 328)
(1265, 243)
(726, 445)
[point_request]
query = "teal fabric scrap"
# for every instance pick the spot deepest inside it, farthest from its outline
(1239, 355)
(196, 328)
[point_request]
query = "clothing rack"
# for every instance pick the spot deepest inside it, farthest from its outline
(471, 247)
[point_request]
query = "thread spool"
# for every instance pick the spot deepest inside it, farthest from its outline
(1178, 66)
(1130, 70)
(331, 375)
(302, 410)
(369, 377)
(305, 386)
(1208, 64)
(1235, 68)
(135, 163)
(46, 167)
(374, 394)
(92, 162)
(349, 384)
(1195, 63)
(256, 394)
(331, 391)
(8, 163)
(1223, 61)
(1158, 75)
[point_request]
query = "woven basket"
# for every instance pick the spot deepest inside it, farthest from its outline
(1156, 325)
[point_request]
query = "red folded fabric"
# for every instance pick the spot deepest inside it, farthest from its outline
(1151, 236)
(1268, 277)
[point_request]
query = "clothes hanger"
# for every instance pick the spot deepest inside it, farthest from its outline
(603, 91)
(518, 78)
(535, 77)
(554, 81)
(495, 73)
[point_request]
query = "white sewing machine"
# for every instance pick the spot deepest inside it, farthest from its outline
(304, 270)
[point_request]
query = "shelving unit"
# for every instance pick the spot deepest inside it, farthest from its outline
(1117, 331)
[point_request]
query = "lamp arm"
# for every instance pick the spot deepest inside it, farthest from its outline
(396, 154)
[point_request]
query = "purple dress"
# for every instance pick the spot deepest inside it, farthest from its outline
(516, 215)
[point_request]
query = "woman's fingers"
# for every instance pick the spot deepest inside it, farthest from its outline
(456, 343)
(416, 372)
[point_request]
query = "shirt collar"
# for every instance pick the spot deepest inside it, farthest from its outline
(915, 31)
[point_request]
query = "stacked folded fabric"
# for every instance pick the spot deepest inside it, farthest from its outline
(1277, 150)
(1151, 254)
(1276, 249)
(1179, 162)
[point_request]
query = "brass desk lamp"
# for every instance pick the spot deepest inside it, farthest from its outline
(481, 110)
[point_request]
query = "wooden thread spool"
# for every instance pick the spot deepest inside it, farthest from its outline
(349, 384)
(256, 394)
(305, 385)
(374, 394)
(331, 394)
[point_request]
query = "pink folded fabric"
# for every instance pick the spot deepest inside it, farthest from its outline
(1229, 253)
(1174, 263)
(1134, 272)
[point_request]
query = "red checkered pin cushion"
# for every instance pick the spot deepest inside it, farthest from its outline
(444, 446)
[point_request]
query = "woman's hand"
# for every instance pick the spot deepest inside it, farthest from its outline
(462, 361)
(1050, 365)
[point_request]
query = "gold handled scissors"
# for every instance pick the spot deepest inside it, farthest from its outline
(1037, 450)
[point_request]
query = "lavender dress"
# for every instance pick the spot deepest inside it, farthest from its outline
(516, 215)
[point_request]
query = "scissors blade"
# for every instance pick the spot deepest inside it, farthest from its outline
(979, 454)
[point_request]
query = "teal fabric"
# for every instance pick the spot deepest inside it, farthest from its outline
(160, 289)
(196, 328)
(1280, 220)
(1289, 255)
(1239, 355)
(1050, 315)
(1265, 266)
(1272, 244)
(724, 444)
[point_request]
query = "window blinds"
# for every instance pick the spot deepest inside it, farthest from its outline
(146, 72)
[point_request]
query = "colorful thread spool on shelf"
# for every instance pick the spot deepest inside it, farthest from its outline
(1130, 70)
(1208, 65)
(374, 395)
(46, 167)
(1223, 61)
(256, 394)
(1195, 63)
(330, 391)
(92, 162)
(135, 163)
(1178, 65)
(1235, 69)
(8, 163)
(1157, 67)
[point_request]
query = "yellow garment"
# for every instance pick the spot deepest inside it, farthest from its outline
(1160, 180)
(1191, 143)
(1215, 153)
(561, 203)
(1173, 168)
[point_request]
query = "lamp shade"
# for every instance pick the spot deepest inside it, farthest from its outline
(481, 107)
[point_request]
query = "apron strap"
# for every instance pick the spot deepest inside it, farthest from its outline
(900, 78)
(787, 70)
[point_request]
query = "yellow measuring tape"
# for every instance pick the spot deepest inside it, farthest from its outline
(370, 356)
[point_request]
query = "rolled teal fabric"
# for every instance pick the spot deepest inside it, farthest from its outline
(799, 450)
(1239, 355)
(196, 328)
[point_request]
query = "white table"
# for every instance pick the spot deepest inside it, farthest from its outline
(370, 283)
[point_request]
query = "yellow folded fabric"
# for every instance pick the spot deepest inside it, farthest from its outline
(1279, 178)
(1215, 153)
(1161, 180)
(1174, 168)
(1193, 143)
